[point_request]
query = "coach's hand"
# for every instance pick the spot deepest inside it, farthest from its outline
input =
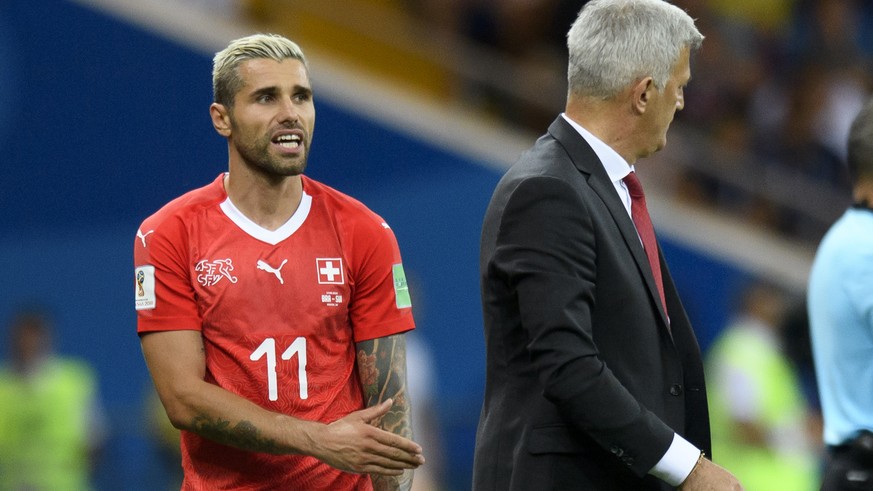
(353, 444)
(708, 476)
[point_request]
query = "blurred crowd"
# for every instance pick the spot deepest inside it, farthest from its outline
(774, 89)
(777, 84)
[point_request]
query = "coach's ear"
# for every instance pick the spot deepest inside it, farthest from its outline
(220, 119)
(641, 94)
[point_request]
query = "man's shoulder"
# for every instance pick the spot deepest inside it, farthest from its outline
(547, 159)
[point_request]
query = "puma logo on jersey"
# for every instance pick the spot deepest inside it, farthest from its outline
(142, 236)
(276, 271)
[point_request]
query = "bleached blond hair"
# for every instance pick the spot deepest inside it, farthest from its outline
(226, 81)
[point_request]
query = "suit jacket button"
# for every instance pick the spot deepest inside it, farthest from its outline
(618, 452)
(676, 390)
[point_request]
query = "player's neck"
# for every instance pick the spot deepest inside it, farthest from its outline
(267, 202)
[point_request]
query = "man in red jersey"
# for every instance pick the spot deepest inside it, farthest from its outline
(271, 308)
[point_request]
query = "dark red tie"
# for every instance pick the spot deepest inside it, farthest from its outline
(640, 214)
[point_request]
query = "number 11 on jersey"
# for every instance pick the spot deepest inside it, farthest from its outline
(268, 349)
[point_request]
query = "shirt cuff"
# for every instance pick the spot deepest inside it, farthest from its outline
(677, 463)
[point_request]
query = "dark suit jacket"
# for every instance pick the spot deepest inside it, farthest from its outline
(586, 383)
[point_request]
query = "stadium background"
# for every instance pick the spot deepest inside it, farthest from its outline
(103, 118)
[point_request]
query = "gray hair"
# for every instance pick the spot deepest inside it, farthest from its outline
(226, 81)
(860, 158)
(612, 43)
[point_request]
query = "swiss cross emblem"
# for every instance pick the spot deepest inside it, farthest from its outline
(330, 271)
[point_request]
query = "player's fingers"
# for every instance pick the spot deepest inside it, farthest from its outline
(384, 464)
(371, 413)
(395, 445)
(398, 449)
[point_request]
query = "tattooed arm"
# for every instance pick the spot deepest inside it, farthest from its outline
(382, 368)
(177, 363)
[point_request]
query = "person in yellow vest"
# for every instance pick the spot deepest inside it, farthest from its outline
(758, 412)
(51, 424)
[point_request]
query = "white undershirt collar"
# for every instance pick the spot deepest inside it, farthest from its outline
(271, 237)
(615, 165)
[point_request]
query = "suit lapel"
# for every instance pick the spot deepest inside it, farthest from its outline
(587, 162)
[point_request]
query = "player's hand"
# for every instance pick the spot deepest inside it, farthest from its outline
(353, 444)
(708, 476)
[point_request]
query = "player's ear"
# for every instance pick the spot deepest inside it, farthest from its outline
(220, 118)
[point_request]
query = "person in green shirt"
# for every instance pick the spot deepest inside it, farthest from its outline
(760, 418)
(51, 425)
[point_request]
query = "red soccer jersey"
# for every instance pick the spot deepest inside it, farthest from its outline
(280, 313)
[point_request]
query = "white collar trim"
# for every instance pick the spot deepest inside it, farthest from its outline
(271, 237)
(616, 166)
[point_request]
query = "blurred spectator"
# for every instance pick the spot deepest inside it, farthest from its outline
(760, 419)
(832, 31)
(52, 425)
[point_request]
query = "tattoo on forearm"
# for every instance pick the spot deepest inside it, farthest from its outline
(382, 369)
(243, 435)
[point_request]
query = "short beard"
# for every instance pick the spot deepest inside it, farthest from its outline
(257, 157)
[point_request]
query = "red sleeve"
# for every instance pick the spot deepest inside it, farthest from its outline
(165, 299)
(381, 304)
